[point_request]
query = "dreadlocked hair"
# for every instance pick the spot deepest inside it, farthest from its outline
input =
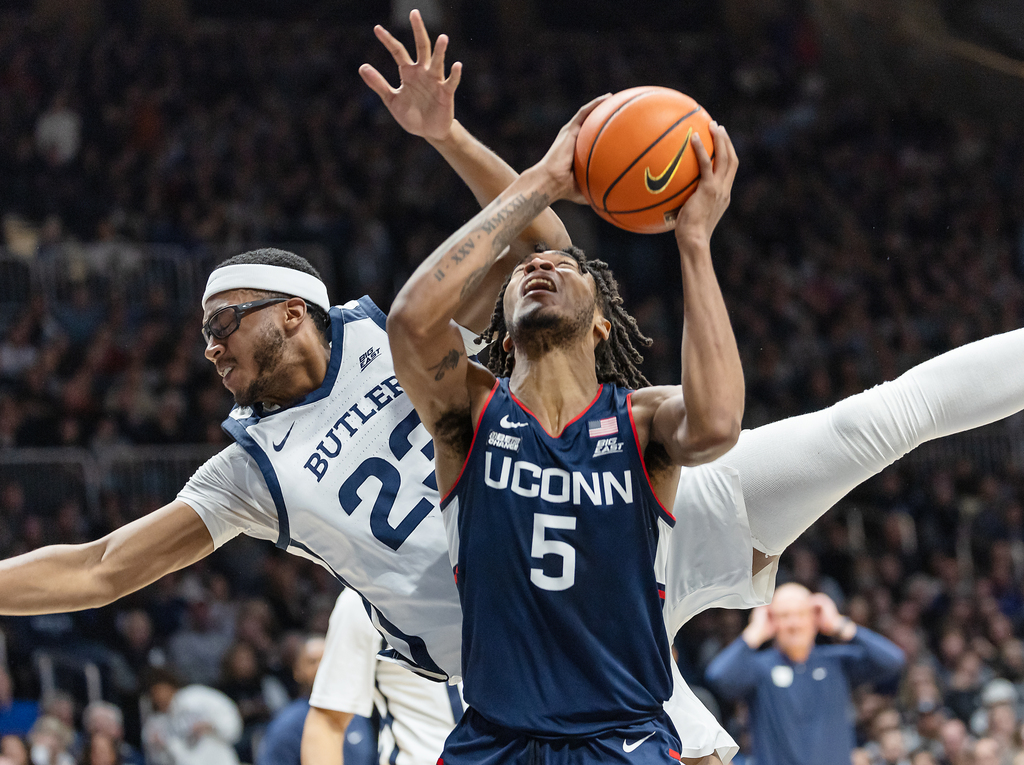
(618, 360)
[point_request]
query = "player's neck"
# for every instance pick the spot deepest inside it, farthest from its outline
(306, 369)
(556, 386)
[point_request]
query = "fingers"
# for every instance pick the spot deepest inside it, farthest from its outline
(587, 108)
(703, 160)
(436, 66)
(419, 33)
(395, 48)
(376, 81)
(454, 78)
(725, 153)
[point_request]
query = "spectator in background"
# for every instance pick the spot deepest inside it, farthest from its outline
(50, 741)
(14, 749)
(799, 693)
(103, 720)
(282, 743)
(194, 725)
(59, 132)
(997, 719)
(955, 742)
(197, 650)
(257, 694)
(100, 749)
(16, 715)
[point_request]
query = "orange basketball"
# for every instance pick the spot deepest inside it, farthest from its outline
(634, 162)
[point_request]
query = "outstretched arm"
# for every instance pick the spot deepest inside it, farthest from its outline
(62, 578)
(424, 105)
(794, 470)
(701, 420)
(429, 354)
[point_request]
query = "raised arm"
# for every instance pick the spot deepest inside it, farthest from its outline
(424, 105)
(701, 420)
(430, 359)
(61, 578)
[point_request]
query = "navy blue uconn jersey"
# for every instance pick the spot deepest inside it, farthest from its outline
(555, 543)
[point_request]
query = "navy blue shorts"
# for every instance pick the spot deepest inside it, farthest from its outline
(476, 741)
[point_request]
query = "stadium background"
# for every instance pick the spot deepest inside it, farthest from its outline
(876, 221)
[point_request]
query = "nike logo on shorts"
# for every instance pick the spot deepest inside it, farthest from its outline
(507, 423)
(628, 747)
(280, 446)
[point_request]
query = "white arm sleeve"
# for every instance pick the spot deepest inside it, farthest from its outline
(346, 678)
(230, 495)
(794, 470)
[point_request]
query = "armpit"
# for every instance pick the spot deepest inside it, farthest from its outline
(657, 460)
(454, 430)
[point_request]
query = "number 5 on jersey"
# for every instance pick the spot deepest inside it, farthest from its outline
(542, 546)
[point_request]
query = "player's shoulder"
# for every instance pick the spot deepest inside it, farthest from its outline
(228, 466)
(645, 402)
(361, 309)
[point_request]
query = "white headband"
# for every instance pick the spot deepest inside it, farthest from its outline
(248, 276)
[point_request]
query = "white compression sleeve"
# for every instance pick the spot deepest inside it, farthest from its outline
(794, 470)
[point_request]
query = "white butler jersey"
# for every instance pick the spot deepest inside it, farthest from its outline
(352, 457)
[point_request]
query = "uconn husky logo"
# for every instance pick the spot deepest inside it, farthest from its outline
(555, 485)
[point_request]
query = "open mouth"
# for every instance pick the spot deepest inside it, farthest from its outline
(538, 283)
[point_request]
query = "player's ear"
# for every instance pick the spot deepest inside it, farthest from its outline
(602, 326)
(507, 343)
(295, 311)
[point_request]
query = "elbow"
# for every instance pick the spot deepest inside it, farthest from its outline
(715, 435)
(725, 431)
(405, 322)
(105, 583)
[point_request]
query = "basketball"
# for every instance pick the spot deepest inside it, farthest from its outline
(634, 162)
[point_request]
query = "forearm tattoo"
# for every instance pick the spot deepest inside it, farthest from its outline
(505, 224)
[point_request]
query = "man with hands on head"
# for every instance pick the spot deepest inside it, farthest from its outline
(798, 691)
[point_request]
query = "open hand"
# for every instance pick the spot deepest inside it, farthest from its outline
(424, 101)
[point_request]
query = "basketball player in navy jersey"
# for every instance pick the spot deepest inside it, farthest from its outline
(557, 478)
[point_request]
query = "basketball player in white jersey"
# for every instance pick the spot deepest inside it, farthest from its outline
(781, 477)
(416, 714)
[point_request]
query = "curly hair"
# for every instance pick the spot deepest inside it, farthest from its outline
(271, 256)
(618, 360)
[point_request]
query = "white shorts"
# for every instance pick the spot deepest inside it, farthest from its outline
(416, 714)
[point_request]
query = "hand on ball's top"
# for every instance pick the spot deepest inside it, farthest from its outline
(424, 101)
(559, 158)
(700, 214)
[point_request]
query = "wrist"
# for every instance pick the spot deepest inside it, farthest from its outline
(452, 140)
(845, 628)
(540, 179)
(753, 638)
(693, 241)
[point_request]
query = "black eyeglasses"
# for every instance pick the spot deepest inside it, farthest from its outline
(226, 320)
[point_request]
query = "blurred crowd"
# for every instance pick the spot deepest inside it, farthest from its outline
(863, 238)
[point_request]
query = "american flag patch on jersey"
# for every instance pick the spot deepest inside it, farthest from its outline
(609, 426)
